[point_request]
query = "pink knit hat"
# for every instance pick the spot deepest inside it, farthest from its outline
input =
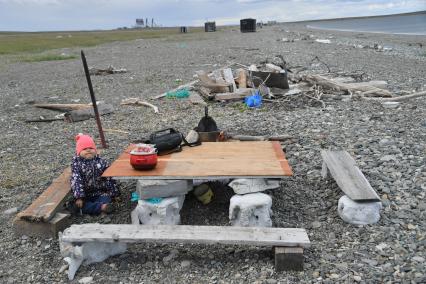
(83, 142)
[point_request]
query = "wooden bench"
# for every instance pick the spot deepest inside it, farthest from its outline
(347, 175)
(288, 243)
(41, 218)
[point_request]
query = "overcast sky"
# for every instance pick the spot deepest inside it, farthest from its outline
(51, 15)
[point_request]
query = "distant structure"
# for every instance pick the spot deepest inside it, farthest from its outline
(209, 27)
(248, 25)
(144, 23)
(139, 23)
(183, 30)
(271, 23)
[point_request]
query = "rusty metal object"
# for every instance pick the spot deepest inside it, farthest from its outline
(92, 96)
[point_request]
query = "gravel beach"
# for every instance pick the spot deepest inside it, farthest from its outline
(389, 146)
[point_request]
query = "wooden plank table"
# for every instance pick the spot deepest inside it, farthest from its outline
(210, 160)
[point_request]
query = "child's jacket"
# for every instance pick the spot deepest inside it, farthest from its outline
(86, 180)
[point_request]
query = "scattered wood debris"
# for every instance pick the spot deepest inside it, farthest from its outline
(63, 107)
(72, 112)
(372, 88)
(271, 79)
(136, 101)
(109, 70)
(87, 113)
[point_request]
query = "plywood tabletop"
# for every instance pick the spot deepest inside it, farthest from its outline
(259, 159)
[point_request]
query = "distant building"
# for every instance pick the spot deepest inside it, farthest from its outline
(210, 27)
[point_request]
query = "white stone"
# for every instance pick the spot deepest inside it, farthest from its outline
(323, 40)
(390, 105)
(86, 280)
(359, 213)
(11, 211)
(87, 253)
(162, 188)
(166, 212)
(244, 186)
(251, 210)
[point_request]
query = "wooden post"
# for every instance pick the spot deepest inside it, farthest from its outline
(288, 258)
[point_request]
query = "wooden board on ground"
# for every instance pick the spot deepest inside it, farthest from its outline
(287, 237)
(348, 176)
(195, 98)
(50, 201)
(259, 159)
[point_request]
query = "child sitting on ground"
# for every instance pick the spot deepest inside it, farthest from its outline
(92, 193)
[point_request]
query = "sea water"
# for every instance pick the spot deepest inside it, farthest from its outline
(411, 24)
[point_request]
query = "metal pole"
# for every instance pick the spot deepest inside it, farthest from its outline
(92, 96)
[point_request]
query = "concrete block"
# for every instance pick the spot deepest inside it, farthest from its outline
(87, 253)
(244, 186)
(251, 210)
(42, 229)
(166, 212)
(359, 213)
(162, 188)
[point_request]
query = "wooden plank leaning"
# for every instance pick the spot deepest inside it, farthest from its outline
(42, 217)
(347, 175)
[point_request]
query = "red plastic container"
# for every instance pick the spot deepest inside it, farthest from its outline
(143, 158)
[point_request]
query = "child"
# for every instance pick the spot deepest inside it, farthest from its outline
(92, 193)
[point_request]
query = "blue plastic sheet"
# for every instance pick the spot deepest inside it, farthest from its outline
(154, 200)
(253, 100)
(182, 93)
(134, 197)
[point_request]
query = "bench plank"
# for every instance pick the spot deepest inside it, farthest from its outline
(348, 176)
(284, 237)
(50, 201)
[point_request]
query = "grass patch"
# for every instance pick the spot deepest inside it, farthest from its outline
(36, 42)
(45, 57)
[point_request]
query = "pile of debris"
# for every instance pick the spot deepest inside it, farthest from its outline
(275, 81)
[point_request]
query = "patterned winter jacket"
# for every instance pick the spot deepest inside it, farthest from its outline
(86, 180)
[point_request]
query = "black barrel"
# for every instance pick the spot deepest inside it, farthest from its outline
(248, 25)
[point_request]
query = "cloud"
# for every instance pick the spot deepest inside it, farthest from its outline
(31, 15)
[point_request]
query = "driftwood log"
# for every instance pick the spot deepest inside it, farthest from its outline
(399, 99)
(136, 101)
(84, 114)
(372, 88)
(63, 107)
(196, 99)
(238, 95)
(216, 86)
(241, 78)
(205, 93)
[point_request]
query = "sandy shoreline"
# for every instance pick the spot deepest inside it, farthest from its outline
(388, 144)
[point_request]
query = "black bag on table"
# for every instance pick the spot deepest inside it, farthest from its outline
(169, 140)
